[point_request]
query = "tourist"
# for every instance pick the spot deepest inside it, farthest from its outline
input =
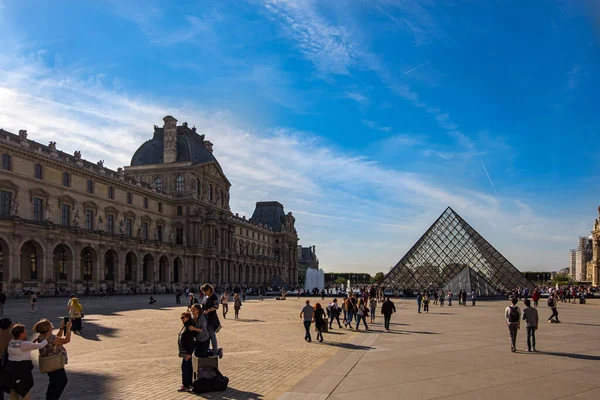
(210, 305)
(460, 297)
(186, 343)
(512, 314)
(464, 298)
(19, 379)
(32, 301)
(372, 308)
(191, 300)
(530, 316)
(361, 314)
(55, 346)
(224, 302)
(177, 296)
(435, 297)
(75, 314)
(320, 321)
(535, 297)
(354, 305)
(552, 304)
(151, 300)
(426, 302)
(449, 294)
(345, 310)
(2, 301)
(5, 337)
(307, 314)
(200, 327)
(419, 301)
(473, 298)
(322, 295)
(442, 296)
(334, 313)
(387, 309)
(349, 311)
(237, 304)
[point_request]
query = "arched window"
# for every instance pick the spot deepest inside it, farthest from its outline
(179, 185)
(210, 192)
(158, 184)
(37, 171)
(6, 162)
(33, 264)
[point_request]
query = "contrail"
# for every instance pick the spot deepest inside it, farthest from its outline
(417, 67)
(488, 175)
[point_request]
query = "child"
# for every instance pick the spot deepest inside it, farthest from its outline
(530, 315)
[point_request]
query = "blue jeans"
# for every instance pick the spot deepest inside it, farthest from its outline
(187, 372)
(364, 320)
(373, 313)
(213, 340)
(349, 315)
(307, 329)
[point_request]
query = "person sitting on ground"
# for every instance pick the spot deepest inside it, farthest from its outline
(19, 366)
(186, 342)
(152, 300)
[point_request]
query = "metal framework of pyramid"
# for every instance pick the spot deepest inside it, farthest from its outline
(451, 252)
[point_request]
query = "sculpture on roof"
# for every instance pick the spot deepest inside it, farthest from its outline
(101, 164)
(52, 145)
(77, 155)
(23, 134)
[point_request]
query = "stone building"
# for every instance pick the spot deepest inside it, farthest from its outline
(593, 266)
(67, 224)
(307, 258)
(580, 258)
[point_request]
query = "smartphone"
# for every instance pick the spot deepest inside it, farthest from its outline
(66, 320)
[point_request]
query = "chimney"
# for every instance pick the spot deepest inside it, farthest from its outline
(170, 138)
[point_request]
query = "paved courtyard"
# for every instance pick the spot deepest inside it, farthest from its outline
(129, 351)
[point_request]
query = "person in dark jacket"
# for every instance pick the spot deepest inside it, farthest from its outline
(192, 300)
(210, 305)
(186, 341)
(387, 309)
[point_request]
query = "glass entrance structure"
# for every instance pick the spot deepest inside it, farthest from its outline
(454, 256)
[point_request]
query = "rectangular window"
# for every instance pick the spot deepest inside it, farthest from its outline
(145, 202)
(129, 198)
(89, 219)
(111, 192)
(5, 203)
(160, 207)
(179, 211)
(90, 186)
(110, 223)
(38, 171)
(159, 231)
(129, 227)
(6, 162)
(38, 209)
(66, 179)
(145, 230)
(179, 236)
(65, 216)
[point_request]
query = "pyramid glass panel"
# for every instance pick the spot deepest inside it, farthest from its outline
(453, 254)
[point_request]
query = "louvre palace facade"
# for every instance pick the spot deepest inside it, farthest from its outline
(70, 225)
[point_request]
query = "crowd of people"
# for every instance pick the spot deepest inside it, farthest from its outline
(16, 367)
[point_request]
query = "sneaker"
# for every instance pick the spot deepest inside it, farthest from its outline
(549, 321)
(220, 352)
(529, 350)
(513, 350)
(183, 389)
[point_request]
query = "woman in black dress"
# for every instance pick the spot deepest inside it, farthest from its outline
(320, 321)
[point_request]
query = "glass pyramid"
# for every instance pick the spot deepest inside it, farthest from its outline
(449, 248)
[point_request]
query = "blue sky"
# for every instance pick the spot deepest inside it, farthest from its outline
(365, 118)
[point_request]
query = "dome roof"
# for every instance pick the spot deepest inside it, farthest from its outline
(190, 148)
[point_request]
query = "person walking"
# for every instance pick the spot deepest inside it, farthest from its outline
(177, 296)
(320, 321)
(387, 309)
(307, 314)
(75, 314)
(473, 298)
(552, 300)
(460, 297)
(442, 295)
(186, 344)
(372, 308)
(419, 301)
(530, 316)
(349, 311)
(435, 297)
(334, 313)
(225, 303)
(2, 302)
(449, 298)
(237, 304)
(426, 303)
(57, 379)
(33, 301)
(19, 365)
(512, 314)
(464, 298)
(361, 314)
(535, 297)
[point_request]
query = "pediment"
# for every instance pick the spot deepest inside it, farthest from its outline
(39, 192)
(66, 199)
(7, 184)
(90, 205)
(111, 210)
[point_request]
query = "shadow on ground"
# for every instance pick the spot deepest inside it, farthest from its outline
(571, 355)
(89, 386)
(93, 331)
(229, 394)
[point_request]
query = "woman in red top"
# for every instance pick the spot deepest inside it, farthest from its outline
(535, 297)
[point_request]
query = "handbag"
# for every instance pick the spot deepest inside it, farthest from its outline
(52, 363)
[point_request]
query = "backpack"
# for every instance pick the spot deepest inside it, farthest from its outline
(550, 302)
(513, 314)
(220, 382)
(202, 385)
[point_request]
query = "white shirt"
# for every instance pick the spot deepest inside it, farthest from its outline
(20, 350)
(224, 299)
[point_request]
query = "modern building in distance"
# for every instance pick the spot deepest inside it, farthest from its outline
(67, 224)
(307, 258)
(579, 259)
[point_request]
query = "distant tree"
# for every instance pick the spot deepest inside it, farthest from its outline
(341, 281)
(561, 278)
(378, 277)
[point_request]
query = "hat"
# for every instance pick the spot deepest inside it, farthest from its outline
(191, 294)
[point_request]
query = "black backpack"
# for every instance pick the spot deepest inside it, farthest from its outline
(513, 314)
(203, 385)
(220, 382)
(550, 302)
